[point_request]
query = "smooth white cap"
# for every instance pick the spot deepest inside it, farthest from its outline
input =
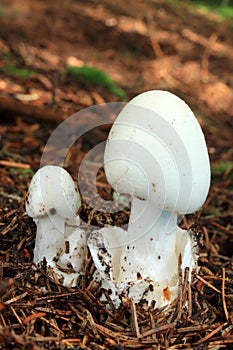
(52, 191)
(156, 151)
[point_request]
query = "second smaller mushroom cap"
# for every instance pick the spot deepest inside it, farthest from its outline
(52, 191)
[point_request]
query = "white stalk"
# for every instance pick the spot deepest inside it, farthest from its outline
(150, 251)
(49, 238)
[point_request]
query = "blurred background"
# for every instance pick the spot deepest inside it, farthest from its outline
(71, 54)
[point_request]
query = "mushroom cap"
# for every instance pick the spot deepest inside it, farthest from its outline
(52, 191)
(156, 151)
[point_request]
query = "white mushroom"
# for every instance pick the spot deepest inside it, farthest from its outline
(156, 152)
(53, 201)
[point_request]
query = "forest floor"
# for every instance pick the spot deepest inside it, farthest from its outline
(141, 46)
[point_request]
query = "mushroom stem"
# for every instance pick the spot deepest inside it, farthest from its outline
(49, 238)
(151, 242)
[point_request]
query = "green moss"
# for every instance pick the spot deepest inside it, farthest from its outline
(220, 168)
(19, 72)
(218, 7)
(225, 12)
(22, 173)
(96, 77)
(5, 12)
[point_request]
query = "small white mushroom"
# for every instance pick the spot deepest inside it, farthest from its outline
(156, 152)
(53, 201)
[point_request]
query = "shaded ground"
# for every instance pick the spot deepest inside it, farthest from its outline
(148, 45)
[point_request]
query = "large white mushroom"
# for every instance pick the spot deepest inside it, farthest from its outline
(53, 201)
(156, 152)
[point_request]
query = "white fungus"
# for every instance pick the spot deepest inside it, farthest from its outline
(53, 201)
(156, 152)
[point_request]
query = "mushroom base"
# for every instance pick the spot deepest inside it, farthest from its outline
(64, 255)
(146, 291)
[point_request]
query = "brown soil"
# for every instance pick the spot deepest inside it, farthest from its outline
(142, 46)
